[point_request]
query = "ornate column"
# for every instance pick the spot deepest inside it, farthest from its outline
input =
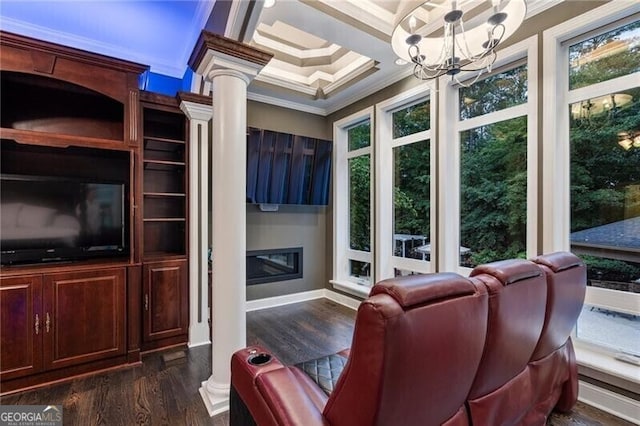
(199, 115)
(229, 66)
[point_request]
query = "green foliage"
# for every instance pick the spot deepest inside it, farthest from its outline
(410, 120)
(412, 189)
(360, 202)
(494, 93)
(494, 191)
(625, 62)
(611, 270)
(601, 170)
(359, 136)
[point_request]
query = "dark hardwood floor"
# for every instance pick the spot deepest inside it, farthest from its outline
(164, 390)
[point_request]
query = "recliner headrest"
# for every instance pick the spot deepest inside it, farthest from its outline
(416, 289)
(509, 271)
(559, 261)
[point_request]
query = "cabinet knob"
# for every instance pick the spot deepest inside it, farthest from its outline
(47, 323)
(37, 324)
(146, 302)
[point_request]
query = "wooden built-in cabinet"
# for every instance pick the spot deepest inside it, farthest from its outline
(72, 113)
(83, 316)
(21, 326)
(166, 301)
(164, 249)
(51, 321)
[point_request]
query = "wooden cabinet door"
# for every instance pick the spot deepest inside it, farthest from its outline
(165, 300)
(84, 316)
(21, 326)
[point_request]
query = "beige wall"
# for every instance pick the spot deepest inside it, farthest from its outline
(290, 226)
(271, 117)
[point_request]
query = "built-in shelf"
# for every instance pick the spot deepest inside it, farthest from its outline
(164, 182)
(165, 194)
(151, 142)
(163, 165)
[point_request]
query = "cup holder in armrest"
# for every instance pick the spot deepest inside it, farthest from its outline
(259, 359)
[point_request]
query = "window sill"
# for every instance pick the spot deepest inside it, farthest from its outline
(352, 288)
(601, 360)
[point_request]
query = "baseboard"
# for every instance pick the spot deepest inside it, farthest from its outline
(272, 302)
(613, 403)
(347, 301)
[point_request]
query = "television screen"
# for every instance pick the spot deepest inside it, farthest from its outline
(55, 218)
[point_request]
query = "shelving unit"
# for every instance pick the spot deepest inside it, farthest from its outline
(164, 223)
(164, 183)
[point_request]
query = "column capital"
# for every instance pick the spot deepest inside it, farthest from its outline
(196, 111)
(213, 52)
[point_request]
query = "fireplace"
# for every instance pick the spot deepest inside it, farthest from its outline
(265, 266)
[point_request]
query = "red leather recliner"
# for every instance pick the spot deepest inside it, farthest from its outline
(502, 393)
(417, 344)
(434, 349)
(554, 372)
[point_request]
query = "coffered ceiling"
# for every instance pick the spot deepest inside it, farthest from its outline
(327, 53)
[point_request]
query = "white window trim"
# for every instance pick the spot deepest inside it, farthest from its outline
(449, 153)
(556, 159)
(386, 262)
(342, 253)
(555, 152)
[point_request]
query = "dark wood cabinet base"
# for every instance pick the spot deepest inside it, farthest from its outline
(161, 345)
(66, 374)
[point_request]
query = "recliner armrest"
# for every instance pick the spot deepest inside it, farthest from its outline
(292, 398)
(275, 394)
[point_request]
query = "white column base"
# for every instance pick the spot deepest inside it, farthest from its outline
(215, 396)
(199, 334)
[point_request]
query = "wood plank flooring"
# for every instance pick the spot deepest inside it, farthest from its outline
(164, 390)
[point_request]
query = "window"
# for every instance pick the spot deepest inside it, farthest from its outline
(352, 203)
(493, 195)
(592, 182)
(493, 192)
(605, 180)
(405, 186)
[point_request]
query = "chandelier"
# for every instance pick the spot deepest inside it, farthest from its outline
(443, 37)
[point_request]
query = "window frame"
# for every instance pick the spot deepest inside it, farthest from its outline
(449, 153)
(342, 251)
(386, 262)
(556, 215)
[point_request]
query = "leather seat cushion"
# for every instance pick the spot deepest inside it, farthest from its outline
(325, 370)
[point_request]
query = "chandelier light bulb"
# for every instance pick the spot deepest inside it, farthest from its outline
(412, 23)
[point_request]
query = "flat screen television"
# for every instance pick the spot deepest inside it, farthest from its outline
(50, 218)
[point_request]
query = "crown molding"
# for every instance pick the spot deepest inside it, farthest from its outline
(286, 104)
(540, 6)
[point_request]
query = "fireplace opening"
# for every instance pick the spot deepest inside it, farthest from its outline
(266, 266)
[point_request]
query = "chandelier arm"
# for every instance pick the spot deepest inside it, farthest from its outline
(464, 46)
(492, 43)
